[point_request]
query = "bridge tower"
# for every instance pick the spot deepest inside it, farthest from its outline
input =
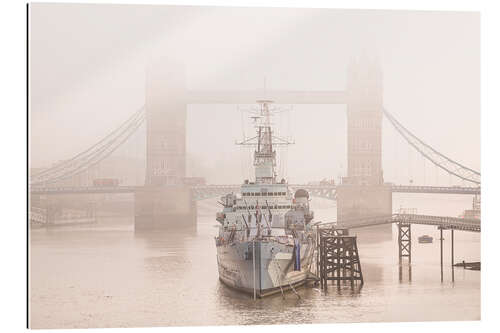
(362, 192)
(166, 124)
(165, 201)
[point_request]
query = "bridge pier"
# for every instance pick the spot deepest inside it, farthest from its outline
(363, 192)
(165, 207)
(165, 202)
(361, 201)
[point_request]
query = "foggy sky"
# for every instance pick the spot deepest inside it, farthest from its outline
(88, 66)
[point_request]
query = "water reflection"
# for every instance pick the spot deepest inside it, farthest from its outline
(110, 276)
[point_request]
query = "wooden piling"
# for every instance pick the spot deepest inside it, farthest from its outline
(253, 258)
(441, 248)
(452, 257)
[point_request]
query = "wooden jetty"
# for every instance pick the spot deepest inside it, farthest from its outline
(338, 257)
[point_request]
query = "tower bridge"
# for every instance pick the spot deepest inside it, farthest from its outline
(164, 197)
(202, 192)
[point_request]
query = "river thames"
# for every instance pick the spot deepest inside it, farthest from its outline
(106, 275)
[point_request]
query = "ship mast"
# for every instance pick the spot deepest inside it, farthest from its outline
(264, 155)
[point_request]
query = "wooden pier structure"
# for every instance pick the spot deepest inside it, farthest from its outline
(338, 257)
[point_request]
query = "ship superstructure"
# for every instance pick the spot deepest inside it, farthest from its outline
(265, 242)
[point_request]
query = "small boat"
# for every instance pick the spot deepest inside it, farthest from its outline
(425, 239)
(474, 266)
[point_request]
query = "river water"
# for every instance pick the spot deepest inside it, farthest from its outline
(106, 275)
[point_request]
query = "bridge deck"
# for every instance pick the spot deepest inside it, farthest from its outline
(202, 192)
(444, 222)
(83, 190)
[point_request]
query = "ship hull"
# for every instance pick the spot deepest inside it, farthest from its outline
(273, 267)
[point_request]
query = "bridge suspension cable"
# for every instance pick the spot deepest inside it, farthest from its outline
(92, 155)
(440, 160)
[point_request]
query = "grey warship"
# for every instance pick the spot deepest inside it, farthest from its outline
(265, 243)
